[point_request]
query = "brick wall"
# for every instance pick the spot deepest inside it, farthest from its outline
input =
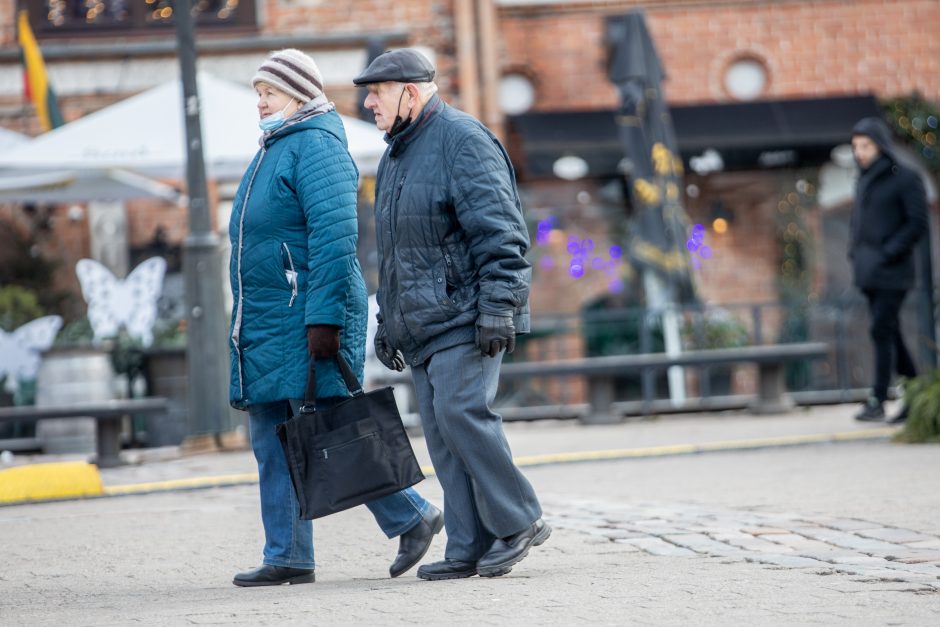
(428, 23)
(810, 48)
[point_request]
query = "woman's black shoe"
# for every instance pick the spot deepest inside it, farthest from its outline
(267, 575)
(415, 542)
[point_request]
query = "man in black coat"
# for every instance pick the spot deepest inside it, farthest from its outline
(889, 216)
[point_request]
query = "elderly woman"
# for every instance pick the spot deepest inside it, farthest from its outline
(298, 295)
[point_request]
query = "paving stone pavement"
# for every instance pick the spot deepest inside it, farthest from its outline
(862, 549)
(840, 534)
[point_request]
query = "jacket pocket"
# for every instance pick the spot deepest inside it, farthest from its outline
(452, 281)
(290, 272)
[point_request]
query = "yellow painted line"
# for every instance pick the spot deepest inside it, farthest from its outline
(708, 447)
(49, 482)
(194, 483)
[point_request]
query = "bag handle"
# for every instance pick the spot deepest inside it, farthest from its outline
(310, 393)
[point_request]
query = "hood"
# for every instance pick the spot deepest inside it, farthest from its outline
(877, 129)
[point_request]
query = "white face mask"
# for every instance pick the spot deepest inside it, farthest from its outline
(275, 120)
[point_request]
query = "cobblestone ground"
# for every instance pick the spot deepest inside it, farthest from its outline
(845, 534)
(864, 550)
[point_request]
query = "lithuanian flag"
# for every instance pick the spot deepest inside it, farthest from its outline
(35, 81)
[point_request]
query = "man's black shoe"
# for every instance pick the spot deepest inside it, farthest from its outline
(901, 417)
(267, 575)
(415, 542)
(447, 569)
(871, 411)
(507, 551)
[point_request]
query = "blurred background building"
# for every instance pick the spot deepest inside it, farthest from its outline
(763, 96)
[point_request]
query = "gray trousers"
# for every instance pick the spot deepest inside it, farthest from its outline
(485, 495)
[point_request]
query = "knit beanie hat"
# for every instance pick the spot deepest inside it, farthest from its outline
(293, 72)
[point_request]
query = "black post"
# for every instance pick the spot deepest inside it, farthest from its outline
(206, 347)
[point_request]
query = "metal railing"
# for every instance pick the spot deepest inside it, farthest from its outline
(844, 375)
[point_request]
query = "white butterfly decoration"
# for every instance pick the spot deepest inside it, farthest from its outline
(131, 303)
(20, 351)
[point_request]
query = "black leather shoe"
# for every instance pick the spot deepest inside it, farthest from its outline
(447, 569)
(507, 551)
(415, 542)
(267, 575)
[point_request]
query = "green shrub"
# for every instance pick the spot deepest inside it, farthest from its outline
(76, 333)
(714, 329)
(922, 395)
(18, 306)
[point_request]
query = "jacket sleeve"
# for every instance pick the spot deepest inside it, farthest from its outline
(914, 206)
(488, 209)
(326, 182)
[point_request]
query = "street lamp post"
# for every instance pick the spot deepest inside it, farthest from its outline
(206, 347)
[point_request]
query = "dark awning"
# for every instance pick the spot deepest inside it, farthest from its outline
(746, 135)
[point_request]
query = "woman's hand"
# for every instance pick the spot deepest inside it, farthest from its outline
(323, 341)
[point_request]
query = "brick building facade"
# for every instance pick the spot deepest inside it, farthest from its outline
(811, 48)
(785, 49)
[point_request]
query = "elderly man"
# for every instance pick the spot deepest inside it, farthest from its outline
(453, 293)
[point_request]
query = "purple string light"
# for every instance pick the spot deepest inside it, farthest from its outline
(696, 245)
(581, 258)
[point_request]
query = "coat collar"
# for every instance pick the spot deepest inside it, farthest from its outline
(398, 143)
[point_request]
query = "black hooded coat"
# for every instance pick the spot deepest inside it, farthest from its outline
(889, 216)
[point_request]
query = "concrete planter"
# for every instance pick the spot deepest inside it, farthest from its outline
(72, 375)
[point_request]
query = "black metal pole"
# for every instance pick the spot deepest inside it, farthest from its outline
(206, 347)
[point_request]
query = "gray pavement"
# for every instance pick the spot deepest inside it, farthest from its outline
(844, 533)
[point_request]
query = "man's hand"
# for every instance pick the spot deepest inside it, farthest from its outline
(323, 341)
(495, 333)
(390, 357)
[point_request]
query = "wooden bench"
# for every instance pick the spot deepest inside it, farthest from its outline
(601, 372)
(107, 415)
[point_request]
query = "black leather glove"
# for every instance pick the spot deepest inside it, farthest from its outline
(495, 333)
(390, 357)
(323, 341)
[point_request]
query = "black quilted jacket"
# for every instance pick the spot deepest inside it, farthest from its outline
(451, 235)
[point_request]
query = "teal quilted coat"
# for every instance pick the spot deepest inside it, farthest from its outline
(293, 232)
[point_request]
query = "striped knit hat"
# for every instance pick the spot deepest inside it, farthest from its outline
(293, 72)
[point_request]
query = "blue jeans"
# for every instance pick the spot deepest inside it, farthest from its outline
(288, 540)
(485, 495)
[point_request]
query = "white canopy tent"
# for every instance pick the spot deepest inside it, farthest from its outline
(80, 186)
(113, 149)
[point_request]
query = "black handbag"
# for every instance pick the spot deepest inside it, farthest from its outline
(349, 454)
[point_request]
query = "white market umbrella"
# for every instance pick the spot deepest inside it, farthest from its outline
(65, 186)
(22, 185)
(145, 134)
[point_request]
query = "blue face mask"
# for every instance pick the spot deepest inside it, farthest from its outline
(275, 120)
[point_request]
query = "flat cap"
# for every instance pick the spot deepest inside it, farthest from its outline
(405, 65)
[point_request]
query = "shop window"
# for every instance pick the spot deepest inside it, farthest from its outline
(100, 17)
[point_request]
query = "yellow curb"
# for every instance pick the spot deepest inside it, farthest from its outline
(45, 482)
